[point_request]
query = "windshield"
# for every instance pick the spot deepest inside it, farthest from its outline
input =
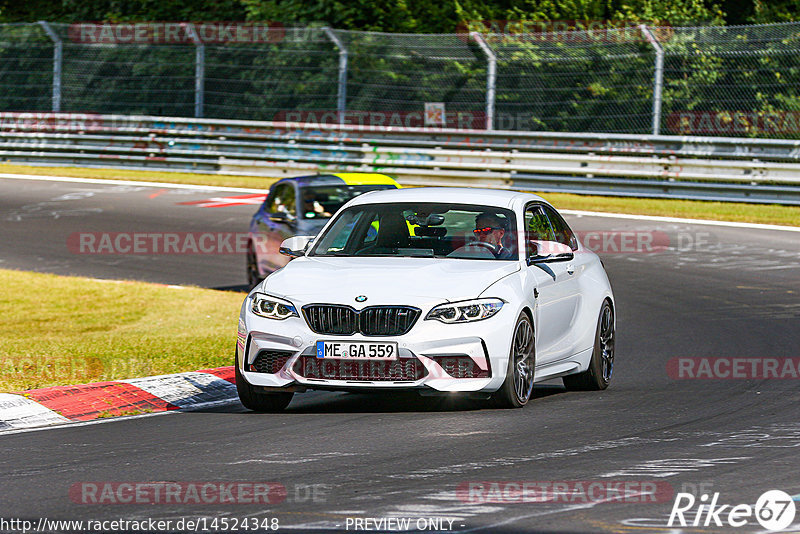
(421, 230)
(321, 202)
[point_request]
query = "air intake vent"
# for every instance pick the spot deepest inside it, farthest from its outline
(400, 370)
(460, 366)
(270, 361)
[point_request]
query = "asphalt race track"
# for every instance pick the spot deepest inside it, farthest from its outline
(714, 292)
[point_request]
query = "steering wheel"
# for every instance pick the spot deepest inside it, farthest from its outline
(492, 248)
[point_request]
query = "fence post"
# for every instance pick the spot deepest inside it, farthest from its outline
(658, 78)
(341, 95)
(491, 78)
(199, 70)
(58, 59)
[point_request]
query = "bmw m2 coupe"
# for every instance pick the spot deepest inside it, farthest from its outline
(441, 290)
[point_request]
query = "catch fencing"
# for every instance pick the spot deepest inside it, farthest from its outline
(736, 81)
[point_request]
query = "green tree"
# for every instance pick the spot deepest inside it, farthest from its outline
(120, 10)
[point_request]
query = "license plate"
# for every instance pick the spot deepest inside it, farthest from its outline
(356, 350)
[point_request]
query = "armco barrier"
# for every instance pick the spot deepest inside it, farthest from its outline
(708, 168)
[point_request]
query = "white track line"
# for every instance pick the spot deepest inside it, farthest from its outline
(167, 185)
(70, 179)
(684, 221)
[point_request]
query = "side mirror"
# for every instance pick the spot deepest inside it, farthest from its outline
(549, 252)
(296, 246)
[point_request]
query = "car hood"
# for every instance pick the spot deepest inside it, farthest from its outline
(385, 280)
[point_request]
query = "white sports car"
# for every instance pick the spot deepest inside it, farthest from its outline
(435, 289)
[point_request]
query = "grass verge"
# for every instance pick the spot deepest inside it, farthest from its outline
(60, 330)
(691, 209)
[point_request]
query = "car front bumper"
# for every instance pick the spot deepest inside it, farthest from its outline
(486, 343)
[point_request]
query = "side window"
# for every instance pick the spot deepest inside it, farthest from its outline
(563, 232)
(276, 201)
(372, 231)
(341, 232)
(289, 201)
(283, 200)
(266, 206)
(537, 227)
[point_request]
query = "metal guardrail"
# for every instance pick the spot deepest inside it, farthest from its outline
(707, 168)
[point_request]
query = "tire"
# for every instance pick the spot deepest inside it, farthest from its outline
(518, 385)
(253, 276)
(598, 376)
(259, 402)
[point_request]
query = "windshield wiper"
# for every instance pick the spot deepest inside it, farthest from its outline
(334, 253)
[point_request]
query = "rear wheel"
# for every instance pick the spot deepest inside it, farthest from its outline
(253, 276)
(518, 385)
(601, 366)
(259, 402)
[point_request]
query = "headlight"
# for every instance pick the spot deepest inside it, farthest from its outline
(272, 307)
(466, 311)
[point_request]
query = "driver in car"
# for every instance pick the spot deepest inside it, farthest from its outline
(312, 206)
(489, 232)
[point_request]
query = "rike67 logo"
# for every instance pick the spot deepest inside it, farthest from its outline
(774, 510)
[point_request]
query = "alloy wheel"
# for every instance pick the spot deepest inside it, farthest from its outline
(523, 361)
(607, 343)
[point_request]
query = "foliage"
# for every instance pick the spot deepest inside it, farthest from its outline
(543, 83)
(403, 15)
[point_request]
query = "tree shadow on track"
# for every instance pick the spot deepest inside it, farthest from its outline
(321, 402)
(240, 288)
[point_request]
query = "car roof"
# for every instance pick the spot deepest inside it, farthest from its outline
(349, 178)
(460, 195)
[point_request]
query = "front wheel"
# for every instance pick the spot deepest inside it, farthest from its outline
(259, 402)
(518, 385)
(601, 366)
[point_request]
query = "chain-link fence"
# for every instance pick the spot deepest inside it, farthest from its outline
(735, 81)
(574, 81)
(26, 68)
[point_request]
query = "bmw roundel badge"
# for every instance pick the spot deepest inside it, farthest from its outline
(361, 298)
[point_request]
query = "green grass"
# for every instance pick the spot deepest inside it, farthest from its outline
(59, 330)
(692, 209)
